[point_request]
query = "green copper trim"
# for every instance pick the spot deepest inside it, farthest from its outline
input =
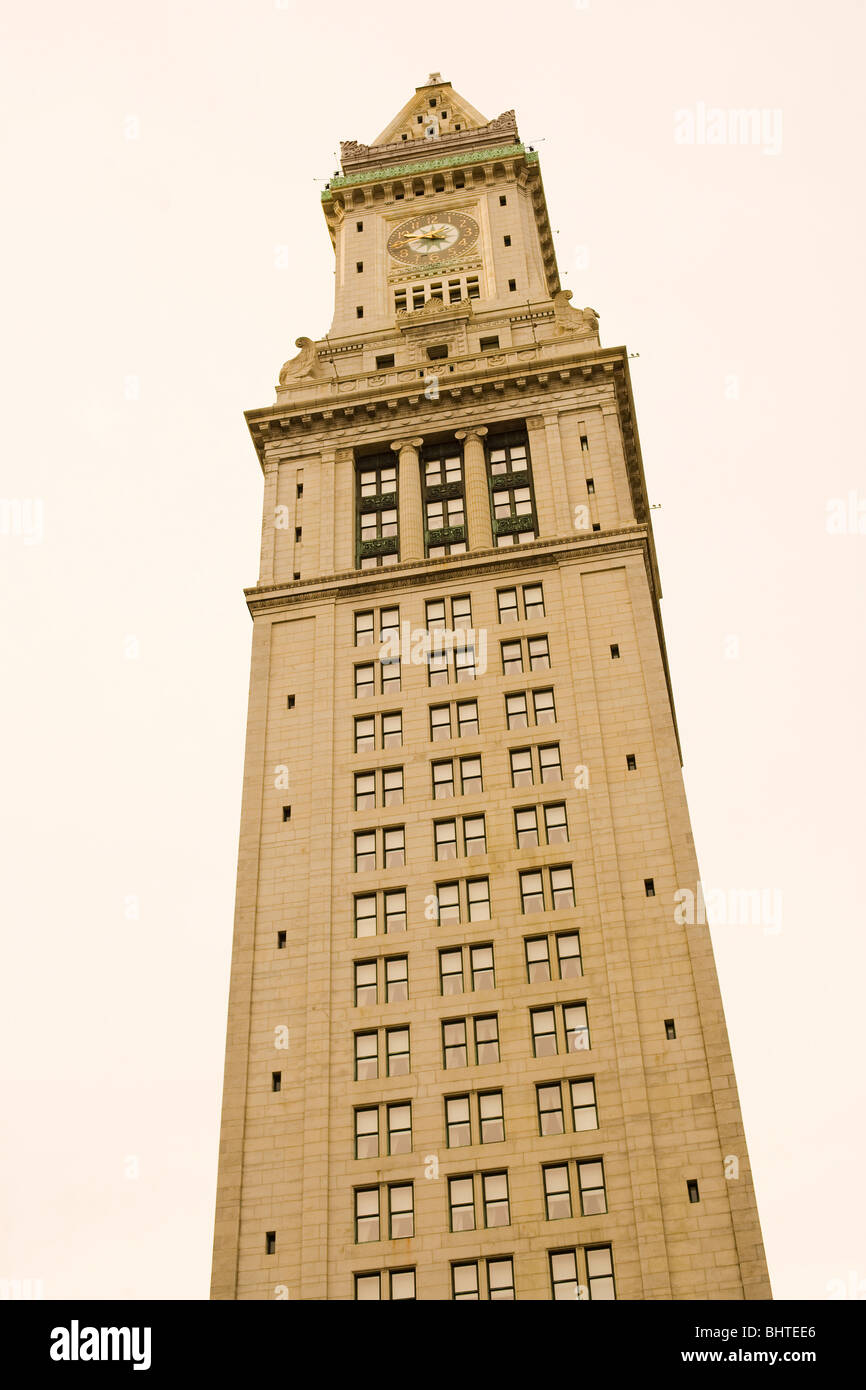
(449, 162)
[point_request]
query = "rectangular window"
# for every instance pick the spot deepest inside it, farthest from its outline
(494, 1188)
(395, 910)
(401, 1211)
(394, 845)
(555, 823)
(366, 1056)
(521, 767)
(367, 1132)
(474, 835)
(402, 1283)
(470, 776)
(568, 955)
(532, 891)
(549, 763)
(368, 1288)
(543, 1032)
(563, 1275)
(396, 979)
(533, 601)
(365, 982)
(551, 1119)
(464, 1281)
(365, 734)
(562, 887)
(599, 1272)
(392, 786)
(584, 1108)
(478, 891)
(457, 1121)
(451, 972)
(392, 730)
(507, 601)
(365, 850)
(397, 1041)
(486, 1039)
(445, 839)
(590, 1181)
(365, 790)
(461, 1203)
(576, 1028)
(365, 914)
(491, 1118)
(516, 713)
(443, 780)
(448, 902)
(500, 1279)
(454, 1046)
(467, 718)
(440, 722)
(539, 653)
(537, 959)
(544, 708)
(512, 657)
(481, 961)
(526, 827)
(364, 629)
(557, 1193)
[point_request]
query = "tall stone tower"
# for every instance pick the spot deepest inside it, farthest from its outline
(472, 1050)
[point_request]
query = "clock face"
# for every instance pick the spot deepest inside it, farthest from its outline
(426, 239)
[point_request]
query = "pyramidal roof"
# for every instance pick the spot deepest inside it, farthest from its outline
(434, 103)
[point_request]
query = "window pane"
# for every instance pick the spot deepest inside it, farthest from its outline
(537, 959)
(365, 915)
(395, 910)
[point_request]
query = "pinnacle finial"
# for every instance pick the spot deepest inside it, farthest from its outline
(433, 78)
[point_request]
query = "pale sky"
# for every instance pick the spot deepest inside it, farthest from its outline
(145, 267)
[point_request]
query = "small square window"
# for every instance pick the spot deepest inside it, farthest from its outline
(287, 813)
(512, 284)
(437, 351)
(694, 1194)
(276, 1080)
(649, 887)
(670, 1029)
(386, 360)
(281, 940)
(590, 485)
(489, 344)
(614, 650)
(359, 226)
(507, 240)
(359, 266)
(630, 762)
(299, 490)
(290, 702)
(359, 311)
(297, 574)
(298, 533)
(270, 1242)
(502, 200)
(596, 526)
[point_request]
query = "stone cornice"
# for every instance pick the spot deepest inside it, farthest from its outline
(412, 574)
(427, 166)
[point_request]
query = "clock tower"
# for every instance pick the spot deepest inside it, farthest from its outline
(476, 1047)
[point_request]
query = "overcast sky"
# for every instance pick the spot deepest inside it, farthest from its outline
(156, 158)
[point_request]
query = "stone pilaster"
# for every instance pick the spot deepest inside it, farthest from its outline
(411, 514)
(269, 521)
(479, 528)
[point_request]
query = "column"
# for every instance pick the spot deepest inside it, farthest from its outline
(411, 516)
(479, 528)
